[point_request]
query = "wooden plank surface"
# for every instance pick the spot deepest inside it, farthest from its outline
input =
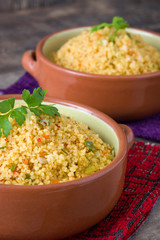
(14, 5)
(22, 30)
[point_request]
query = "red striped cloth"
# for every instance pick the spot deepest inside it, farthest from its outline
(141, 191)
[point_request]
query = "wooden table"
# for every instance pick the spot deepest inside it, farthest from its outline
(22, 30)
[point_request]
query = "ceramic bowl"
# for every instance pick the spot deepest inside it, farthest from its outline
(122, 97)
(59, 210)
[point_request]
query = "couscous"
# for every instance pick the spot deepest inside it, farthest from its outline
(95, 53)
(48, 150)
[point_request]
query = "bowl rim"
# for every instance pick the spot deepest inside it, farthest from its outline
(123, 148)
(41, 43)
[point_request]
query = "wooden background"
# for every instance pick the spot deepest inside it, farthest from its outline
(14, 5)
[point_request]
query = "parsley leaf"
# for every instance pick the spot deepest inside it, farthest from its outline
(64, 151)
(100, 26)
(35, 99)
(117, 23)
(5, 125)
(34, 105)
(7, 105)
(36, 111)
(18, 115)
(25, 95)
(27, 176)
(3, 147)
(90, 145)
(13, 167)
(11, 102)
(50, 110)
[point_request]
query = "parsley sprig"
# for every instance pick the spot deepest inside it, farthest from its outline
(90, 145)
(117, 23)
(34, 105)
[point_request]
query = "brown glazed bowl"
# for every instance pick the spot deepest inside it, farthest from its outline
(121, 97)
(60, 210)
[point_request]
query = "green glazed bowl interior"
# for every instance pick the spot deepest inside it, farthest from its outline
(54, 42)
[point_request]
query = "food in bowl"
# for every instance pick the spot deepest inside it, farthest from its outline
(123, 97)
(55, 211)
(108, 49)
(46, 147)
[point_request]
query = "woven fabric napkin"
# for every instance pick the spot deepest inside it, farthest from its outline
(141, 191)
(148, 128)
(142, 183)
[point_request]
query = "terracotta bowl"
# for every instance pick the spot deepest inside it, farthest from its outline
(122, 97)
(59, 210)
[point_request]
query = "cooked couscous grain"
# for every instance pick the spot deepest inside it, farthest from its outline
(48, 150)
(95, 53)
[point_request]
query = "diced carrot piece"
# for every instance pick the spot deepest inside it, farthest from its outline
(26, 162)
(17, 171)
(99, 34)
(41, 154)
(130, 53)
(46, 136)
(104, 152)
(54, 181)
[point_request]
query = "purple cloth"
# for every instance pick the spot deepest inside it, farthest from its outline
(25, 82)
(148, 128)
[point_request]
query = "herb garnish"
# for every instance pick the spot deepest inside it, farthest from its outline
(27, 176)
(117, 23)
(13, 167)
(64, 151)
(90, 169)
(90, 145)
(100, 26)
(34, 105)
(3, 147)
